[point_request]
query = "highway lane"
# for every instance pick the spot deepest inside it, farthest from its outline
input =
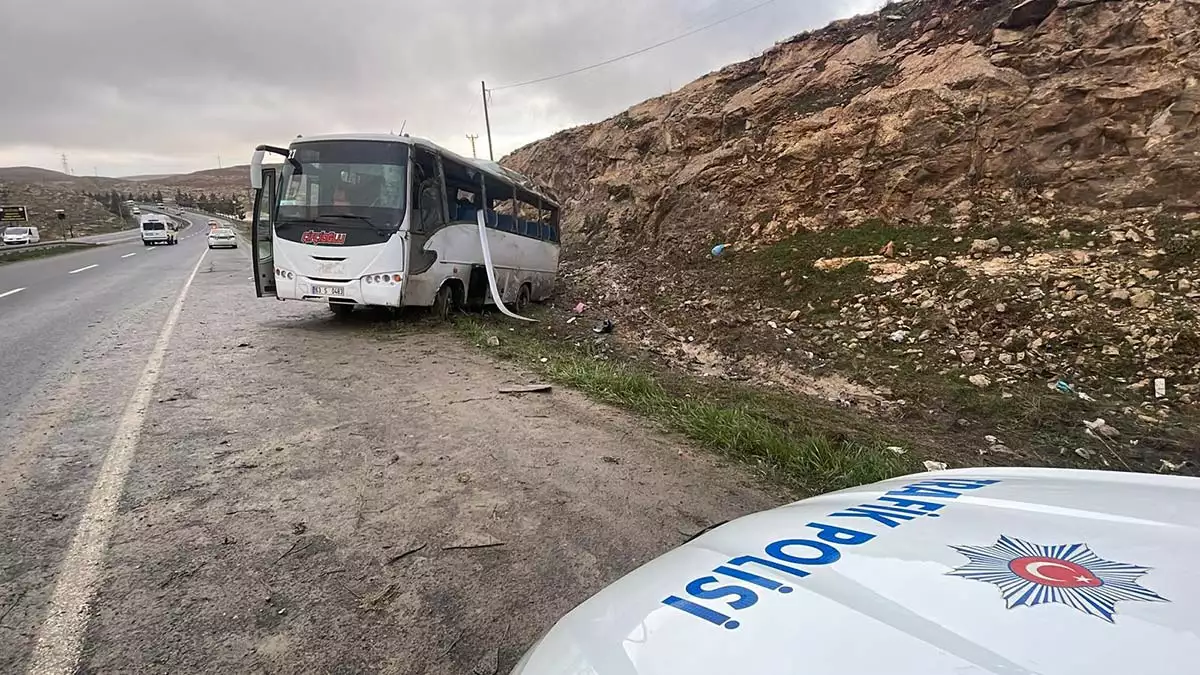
(73, 346)
(52, 309)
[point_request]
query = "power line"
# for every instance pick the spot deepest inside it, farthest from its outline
(643, 50)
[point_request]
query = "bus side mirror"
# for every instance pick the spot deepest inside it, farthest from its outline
(256, 178)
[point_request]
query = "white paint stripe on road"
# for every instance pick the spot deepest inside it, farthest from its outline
(14, 291)
(82, 269)
(129, 255)
(60, 639)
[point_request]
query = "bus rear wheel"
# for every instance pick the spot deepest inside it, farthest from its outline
(524, 296)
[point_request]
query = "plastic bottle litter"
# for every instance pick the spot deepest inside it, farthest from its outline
(719, 249)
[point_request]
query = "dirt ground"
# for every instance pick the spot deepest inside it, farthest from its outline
(310, 495)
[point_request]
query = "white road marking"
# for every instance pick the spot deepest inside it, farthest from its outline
(82, 269)
(60, 639)
(14, 291)
(129, 255)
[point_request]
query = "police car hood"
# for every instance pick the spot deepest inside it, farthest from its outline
(1013, 571)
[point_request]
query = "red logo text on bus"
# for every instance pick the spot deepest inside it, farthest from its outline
(314, 237)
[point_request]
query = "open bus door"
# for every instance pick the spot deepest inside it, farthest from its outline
(262, 228)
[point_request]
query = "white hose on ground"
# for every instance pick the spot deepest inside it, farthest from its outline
(491, 271)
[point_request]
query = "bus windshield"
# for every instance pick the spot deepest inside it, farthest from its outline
(355, 184)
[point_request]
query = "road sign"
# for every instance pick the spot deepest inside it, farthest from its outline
(13, 214)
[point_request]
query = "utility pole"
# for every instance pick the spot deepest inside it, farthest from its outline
(66, 167)
(488, 121)
(472, 138)
(219, 162)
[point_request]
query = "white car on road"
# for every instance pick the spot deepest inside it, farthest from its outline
(157, 229)
(986, 571)
(21, 235)
(221, 236)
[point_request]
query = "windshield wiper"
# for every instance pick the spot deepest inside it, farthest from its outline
(354, 216)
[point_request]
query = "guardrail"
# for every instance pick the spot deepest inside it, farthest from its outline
(18, 248)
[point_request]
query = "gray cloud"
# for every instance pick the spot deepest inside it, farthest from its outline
(164, 85)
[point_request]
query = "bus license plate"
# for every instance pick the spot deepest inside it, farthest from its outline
(329, 290)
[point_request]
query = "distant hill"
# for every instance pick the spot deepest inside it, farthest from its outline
(230, 178)
(32, 174)
(147, 177)
(226, 181)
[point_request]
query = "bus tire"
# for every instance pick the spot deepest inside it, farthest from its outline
(524, 297)
(443, 303)
(340, 310)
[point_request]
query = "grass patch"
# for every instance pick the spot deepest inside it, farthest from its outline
(794, 449)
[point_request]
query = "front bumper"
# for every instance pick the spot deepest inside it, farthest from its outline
(357, 291)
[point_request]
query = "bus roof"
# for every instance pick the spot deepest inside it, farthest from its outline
(491, 168)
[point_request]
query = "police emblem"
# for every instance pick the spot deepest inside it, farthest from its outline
(1070, 574)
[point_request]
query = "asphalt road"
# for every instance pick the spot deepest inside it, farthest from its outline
(52, 308)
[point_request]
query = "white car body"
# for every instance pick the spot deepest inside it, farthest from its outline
(996, 571)
(221, 236)
(21, 235)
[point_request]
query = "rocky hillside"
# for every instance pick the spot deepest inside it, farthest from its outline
(86, 215)
(947, 202)
(904, 115)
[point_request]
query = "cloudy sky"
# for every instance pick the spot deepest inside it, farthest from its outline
(155, 86)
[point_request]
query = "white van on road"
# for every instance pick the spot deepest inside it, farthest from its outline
(157, 229)
(21, 235)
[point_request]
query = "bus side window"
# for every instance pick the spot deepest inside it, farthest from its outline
(428, 199)
(462, 191)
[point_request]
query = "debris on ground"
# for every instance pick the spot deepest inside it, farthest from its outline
(1101, 428)
(931, 465)
(604, 327)
(981, 381)
(493, 341)
(468, 547)
(1166, 465)
(526, 389)
(405, 553)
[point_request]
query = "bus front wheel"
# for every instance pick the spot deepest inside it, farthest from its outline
(443, 303)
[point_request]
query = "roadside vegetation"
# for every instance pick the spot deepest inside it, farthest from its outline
(803, 445)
